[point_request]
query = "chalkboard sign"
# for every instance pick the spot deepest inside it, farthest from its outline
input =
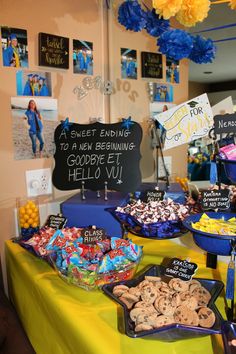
(97, 154)
(182, 269)
(225, 123)
(92, 235)
(56, 221)
(151, 65)
(215, 199)
(152, 196)
(53, 51)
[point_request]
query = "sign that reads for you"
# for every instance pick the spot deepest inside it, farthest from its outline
(225, 123)
(97, 154)
(53, 51)
(215, 199)
(187, 122)
(181, 269)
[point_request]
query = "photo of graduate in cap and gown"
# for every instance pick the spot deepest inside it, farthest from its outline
(163, 93)
(33, 83)
(172, 71)
(82, 57)
(14, 47)
(128, 63)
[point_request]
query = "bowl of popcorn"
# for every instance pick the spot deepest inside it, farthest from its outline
(213, 232)
(155, 306)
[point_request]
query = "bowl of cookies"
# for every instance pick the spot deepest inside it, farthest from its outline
(155, 306)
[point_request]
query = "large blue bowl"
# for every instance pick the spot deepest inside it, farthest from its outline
(212, 243)
(230, 169)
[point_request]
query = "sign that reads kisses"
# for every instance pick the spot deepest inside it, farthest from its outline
(97, 154)
(182, 269)
(92, 235)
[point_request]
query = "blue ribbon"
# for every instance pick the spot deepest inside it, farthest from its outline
(225, 39)
(216, 28)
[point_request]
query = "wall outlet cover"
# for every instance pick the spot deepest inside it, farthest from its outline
(39, 182)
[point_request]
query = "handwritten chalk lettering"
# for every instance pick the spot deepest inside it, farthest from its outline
(182, 269)
(225, 123)
(215, 199)
(97, 153)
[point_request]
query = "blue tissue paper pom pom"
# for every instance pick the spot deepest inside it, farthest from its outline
(131, 15)
(155, 26)
(176, 44)
(203, 51)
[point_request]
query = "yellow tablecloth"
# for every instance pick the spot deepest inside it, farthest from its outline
(62, 319)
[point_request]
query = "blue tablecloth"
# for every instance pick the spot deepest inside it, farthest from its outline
(91, 211)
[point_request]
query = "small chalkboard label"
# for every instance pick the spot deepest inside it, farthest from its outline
(97, 155)
(182, 269)
(53, 51)
(92, 235)
(225, 123)
(56, 222)
(152, 196)
(151, 65)
(215, 199)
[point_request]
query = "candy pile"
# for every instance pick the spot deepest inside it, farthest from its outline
(232, 191)
(153, 303)
(216, 226)
(85, 263)
(28, 218)
(153, 212)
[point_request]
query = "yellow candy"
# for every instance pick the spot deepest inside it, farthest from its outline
(29, 211)
(26, 225)
(22, 210)
(35, 224)
(30, 221)
(26, 217)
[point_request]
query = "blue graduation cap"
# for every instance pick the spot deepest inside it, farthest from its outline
(42, 78)
(36, 75)
(13, 36)
(29, 75)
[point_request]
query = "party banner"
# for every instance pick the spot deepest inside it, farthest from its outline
(189, 121)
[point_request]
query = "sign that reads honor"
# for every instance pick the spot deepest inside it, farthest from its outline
(97, 154)
(187, 122)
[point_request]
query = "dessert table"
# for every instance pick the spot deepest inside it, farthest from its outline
(60, 318)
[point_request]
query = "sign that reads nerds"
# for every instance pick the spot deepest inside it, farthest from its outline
(98, 154)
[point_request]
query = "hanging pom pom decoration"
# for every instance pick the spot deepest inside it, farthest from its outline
(166, 8)
(232, 4)
(131, 15)
(203, 51)
(155, 26)
(176, 44)
(193, 11)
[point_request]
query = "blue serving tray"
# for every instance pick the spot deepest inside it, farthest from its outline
(171, 332)
(229, 333)
(212, 243)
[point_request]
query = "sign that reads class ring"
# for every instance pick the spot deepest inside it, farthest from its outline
(187, 122)
(96, 155)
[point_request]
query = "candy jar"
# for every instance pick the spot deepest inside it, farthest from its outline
(28, 216)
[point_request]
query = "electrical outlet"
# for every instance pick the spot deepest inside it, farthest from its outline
(39, 182)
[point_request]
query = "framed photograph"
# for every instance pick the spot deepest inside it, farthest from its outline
(172, 71)
(152, 65)
(33, 83)
(163, 93)
(34, 121)
(128, 63)
(14, 47)
(53, 51)
(82, 57)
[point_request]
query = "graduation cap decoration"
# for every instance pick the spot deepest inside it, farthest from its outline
(192, 104)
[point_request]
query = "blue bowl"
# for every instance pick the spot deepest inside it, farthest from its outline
(230, 169)
(229, 333)
(171, 332)
(212, 243)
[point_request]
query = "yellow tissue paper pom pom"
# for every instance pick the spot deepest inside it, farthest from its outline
(193, 11)
(166, 8)
(232, 4)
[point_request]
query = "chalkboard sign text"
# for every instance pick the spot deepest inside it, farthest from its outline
(92, 235)
(152, 196)
(181, 269)
(151, 65)
(225, 123)
(53, 51)
(98, 155)
(215, 199)
(56, 221)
